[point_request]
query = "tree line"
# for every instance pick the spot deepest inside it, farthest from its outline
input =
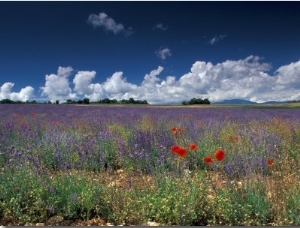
(86, 100)
(107, 101)
(195, 101)
(8, 101)
(83, 101)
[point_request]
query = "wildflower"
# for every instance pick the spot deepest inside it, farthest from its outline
(74, 197)
(270, 162)
(230, 140)
(208, 159)
(193, 146)
(51, 209)
(220, 154)
(33, 114)
(175, 149)
(234, 139)
(244, 195)
(239, 184)
(180, 151)
(209, 197)
(179, 129)
(174, 130)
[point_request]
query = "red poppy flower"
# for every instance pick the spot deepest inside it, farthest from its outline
(180, 151)
(220, 154)
(175, 149)
(183, 152)
(270, 162)
(179, 129)
(33, 114)
(193, 146)
(173, 129)
(208, 159)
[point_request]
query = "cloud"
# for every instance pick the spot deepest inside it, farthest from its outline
(247, 79)
(116, 84)
(109, 24)
(25, 94)
(114, 87)
(232, 79)
(217, 39)
(83, 86)
(161, 27)
(57, 85)
(163, 53)
(82, 82)
(288, 76)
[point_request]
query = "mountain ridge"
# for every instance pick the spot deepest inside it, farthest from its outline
(241, 101)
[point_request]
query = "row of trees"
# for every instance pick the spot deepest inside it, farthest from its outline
(108, 101)
(194, 101)
(83, 101)
(8, 101)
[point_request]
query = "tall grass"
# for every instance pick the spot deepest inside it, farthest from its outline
(117, 164)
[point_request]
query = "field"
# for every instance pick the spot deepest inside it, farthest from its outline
(143, 165)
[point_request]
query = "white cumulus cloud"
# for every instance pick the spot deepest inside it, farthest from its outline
(25, 94)
(82, 85)
(82, 82)
(163, 53)
(288, 76)
(108, 23)
(57, 85)
(247, 79)
(117, 84)
(115, 87)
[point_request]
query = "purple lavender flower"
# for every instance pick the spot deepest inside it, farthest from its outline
(74, 197)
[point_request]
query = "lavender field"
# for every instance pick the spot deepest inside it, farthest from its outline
(139, 165)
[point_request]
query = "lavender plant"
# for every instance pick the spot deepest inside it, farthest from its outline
(81, 162)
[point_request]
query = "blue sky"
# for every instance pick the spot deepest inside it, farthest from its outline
(163, 52)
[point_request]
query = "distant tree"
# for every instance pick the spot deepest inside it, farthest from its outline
(7, 101)
(57, 102)
(184, 103)
(114, 101)
(106, 101)
(206, 101)
(86, 100)
(28, 102)
(131, 101)
(194, 101)
(123, 101)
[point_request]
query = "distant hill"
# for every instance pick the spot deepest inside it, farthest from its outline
(241, 102)
(235, 101)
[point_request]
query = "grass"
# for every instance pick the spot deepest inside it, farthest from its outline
(121, 170)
